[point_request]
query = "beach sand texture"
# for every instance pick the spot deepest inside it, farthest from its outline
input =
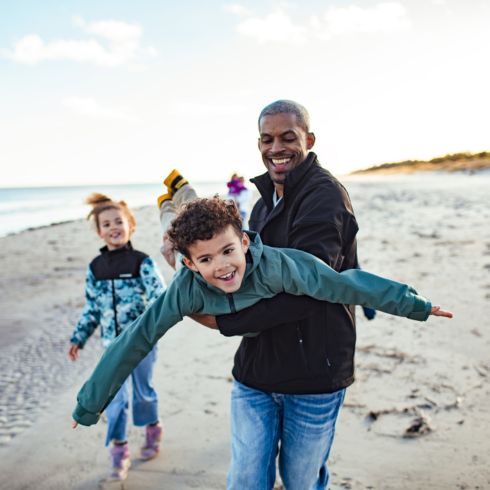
(416, 418)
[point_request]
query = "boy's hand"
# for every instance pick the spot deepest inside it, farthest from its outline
(74, 424)
(206, 320)
(73, 352)
(436, 311)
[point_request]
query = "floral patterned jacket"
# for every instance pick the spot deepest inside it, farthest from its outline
(120, 284)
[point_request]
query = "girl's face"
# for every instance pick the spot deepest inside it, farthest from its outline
(114, 228)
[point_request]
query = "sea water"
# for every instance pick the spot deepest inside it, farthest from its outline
(32, 207)
(24, 208)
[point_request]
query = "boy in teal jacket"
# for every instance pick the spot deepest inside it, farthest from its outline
(227, 270)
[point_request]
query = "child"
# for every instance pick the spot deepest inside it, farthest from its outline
(228, 270)
(238, 192)
(235, 186)
(120, 283)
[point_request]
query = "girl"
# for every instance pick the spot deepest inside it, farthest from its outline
(120, 283)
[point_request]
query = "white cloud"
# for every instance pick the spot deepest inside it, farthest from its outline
(87, 106)
(122, 45)
(276, 27)
(279, 27)
(237, 9)
(113, 30)
(188, 108)
(383, 17)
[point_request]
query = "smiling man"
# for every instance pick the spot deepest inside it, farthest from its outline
(284, 142)
(290, 380)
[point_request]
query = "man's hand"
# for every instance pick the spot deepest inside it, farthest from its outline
(168, 251)
(436, 311)
(206, 320)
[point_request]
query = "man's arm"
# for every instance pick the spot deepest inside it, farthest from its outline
(268, 313)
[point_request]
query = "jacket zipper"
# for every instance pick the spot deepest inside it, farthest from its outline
(231, 302)
(116, 324)
(301, 346)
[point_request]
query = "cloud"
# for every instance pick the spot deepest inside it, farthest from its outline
(186, 108)
(120, 44)
(383, 17)
(276, 27)
(237, 9)
(87, 106)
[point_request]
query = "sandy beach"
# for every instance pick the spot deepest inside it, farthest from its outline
(416, 418)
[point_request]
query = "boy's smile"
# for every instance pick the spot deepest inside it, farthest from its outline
(220, 260)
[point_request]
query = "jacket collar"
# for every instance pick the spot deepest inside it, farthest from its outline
(265, 185)
(105, 250)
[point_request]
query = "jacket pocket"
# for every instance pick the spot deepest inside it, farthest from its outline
(301, 345)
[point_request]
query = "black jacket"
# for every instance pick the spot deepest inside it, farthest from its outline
(305, 346)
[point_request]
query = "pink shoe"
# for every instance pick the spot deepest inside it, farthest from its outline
(120, 462)
(152, 444)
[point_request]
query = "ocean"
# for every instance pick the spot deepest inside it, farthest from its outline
(24, 208)
(32, 207)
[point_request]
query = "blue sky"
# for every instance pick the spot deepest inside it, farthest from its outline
(116, 92)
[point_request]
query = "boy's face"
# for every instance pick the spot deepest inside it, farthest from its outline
(221, 260)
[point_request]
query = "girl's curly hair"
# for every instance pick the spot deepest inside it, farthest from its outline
(202, 219)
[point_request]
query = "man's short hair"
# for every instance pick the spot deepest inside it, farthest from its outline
(288, 107)
(202, 219)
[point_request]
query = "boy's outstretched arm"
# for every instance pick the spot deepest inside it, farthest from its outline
(305, 274)
(125, 353)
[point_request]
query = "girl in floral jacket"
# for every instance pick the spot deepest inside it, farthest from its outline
(120, 283)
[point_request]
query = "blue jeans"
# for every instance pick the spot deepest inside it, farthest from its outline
(304, 425)
(145, 401)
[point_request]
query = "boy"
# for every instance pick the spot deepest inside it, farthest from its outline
(228, 270)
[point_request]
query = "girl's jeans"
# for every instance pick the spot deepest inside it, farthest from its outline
(145, 401)
(304, 425)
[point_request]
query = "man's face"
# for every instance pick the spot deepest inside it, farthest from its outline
(283, 144)
(221, 260)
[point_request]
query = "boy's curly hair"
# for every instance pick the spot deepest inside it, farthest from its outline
(202, 219)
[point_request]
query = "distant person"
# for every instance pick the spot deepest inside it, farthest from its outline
(120, 283)
(238, 192)
(227, 269)
(234, 185)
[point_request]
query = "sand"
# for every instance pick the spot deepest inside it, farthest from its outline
(432, 377)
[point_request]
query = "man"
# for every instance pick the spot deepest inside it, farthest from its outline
(290, 380)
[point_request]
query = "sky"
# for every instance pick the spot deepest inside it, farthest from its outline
(123, 92)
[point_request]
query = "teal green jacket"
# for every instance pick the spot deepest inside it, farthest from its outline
(269, 271)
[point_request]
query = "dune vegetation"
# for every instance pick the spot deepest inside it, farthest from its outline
(455, 162)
